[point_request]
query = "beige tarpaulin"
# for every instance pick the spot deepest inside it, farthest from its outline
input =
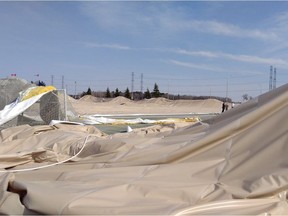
(234, 164)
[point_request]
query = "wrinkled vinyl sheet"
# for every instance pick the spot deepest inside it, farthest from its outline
(235, 164)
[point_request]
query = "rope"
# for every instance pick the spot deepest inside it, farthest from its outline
(49, 165)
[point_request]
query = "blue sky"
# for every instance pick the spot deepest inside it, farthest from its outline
(192, 47)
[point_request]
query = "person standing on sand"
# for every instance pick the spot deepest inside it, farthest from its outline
(223, 107)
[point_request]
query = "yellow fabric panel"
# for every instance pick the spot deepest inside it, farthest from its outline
(36, 91)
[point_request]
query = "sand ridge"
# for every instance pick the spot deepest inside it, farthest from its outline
(121, 105)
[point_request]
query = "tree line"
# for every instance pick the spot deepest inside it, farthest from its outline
(148, 94)
(130, 95)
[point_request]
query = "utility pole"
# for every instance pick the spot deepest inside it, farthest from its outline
(62, 82)
(168, 89)
(227, 86)
(210, 93)
(75, 89)
(227, 90)
(132, 86)
(52, 80)
(141, 89)
(274, 80)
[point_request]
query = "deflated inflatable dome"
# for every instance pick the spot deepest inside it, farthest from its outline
(10, 88)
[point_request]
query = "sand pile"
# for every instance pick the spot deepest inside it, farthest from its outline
(90, 98)
(157, 101)
(122, 105)
(120, 100)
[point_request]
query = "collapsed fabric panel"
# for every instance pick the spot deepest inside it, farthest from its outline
(236, 164)
(25, 100)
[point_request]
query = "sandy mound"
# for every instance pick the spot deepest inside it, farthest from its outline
(198, 103)
(120, 100)
(156, 101)
(122, 105)
(90, 98)
(213, 102)
(91, 105)
(70, 99)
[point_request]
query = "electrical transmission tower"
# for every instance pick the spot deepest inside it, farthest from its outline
(272, 79)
